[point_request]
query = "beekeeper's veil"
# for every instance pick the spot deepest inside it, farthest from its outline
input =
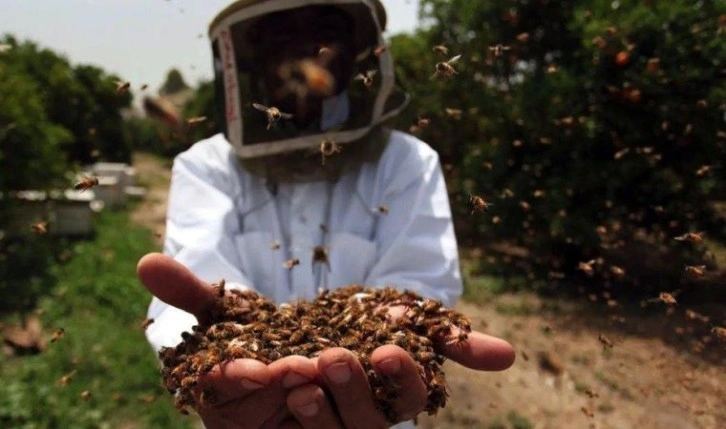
(351, 117)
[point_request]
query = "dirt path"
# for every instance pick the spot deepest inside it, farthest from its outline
(644, 381)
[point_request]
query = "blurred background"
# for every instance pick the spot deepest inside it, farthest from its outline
(593, 131)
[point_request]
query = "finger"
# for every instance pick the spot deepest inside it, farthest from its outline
(175, 284)
(349, 389)
(234, 380)
(394, 362)
(312, 409)
(480, 352)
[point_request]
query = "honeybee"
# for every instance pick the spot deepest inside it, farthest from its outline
(453, 113)
(445, 68)
(147, 322)
(290, 263)
(617, 271)
(498, 50)
(422, 122)
(696, 271)
(86, 183)
(144, 86)
(275, 245)
(86, 395)
(196, 120)
(666, 298)
(703, 170)
(328, 147)
(692, 315)
(366, 78)
(40, 228)
(380, 50)
(383, 209)
(57, 335)
(587, 411)
(586, 267)
(273, 114)
(592, 393)
(66, 379)
(523, 37)
(691, 237)
(605, 341)
(478, 204)
(122, 86)
(441, 49)
(320, 255)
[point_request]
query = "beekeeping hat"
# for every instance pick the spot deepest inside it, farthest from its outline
(238, 87)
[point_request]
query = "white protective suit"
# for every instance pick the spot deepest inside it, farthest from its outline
(222, 222)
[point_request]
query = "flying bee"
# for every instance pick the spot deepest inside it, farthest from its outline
(691, 237)
(290, 263)
(320, 256)
(667, 298)
(605, 341)
(196, 120)
(592, 393)
(587, 411)
(66, 379)
(586, 267)
(86, 395)
(498, 50)
(122, 86)
(147, 322)
(441, 49)
(617, 271)
(478, 204)
(453, 113)
(695, 271)
(273, 114)
(328, 147)
(275, 245)
(144, 86)
(366, 78)
(380, 50)
(86, 182)
(40, 228)
(57, 335)
(445, 68)
(383, 209)
(719, 332)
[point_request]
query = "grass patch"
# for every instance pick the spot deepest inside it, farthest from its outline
(100, 303)
(519, 421)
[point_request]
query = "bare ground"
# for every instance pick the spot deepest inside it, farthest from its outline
(563, 377)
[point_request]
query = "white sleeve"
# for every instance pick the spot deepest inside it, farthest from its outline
(200, 228)
(416, 244)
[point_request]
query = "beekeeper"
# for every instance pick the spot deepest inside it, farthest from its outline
(307, 188)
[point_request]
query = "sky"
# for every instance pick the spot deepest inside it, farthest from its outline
(139, 40)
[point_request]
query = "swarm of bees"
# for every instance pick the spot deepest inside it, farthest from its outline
(246, 325)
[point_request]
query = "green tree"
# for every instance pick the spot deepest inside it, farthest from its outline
(174, 83)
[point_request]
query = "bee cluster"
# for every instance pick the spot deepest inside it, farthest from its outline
(243, 324)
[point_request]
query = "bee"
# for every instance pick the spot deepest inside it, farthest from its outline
(445, 68)
(122, 86)
(86, 395)
(144, 86)
(86, 182)
(366, 78)
(147, 322)
(328, 147)
(621, 153)
(605, 341)
(196, 120)
(422, 122)
(692, 315)
(695, 271)
(275, 245)
(498, 50)
(691, 237)
(617, 271)
(441, 49)
(66, 379)
(383, 209)
(478, 204)
(57, 335)
(453, 113)
(592, 393)
(586, 267)
(320, 255)
(523, 37)
(587, 411)
(666, 298)
(40, 228)
(273, 114)
(290, 263)
(380, 50)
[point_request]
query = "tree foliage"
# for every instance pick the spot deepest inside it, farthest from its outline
(595, 133)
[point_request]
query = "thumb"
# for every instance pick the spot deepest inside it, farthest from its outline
(175, 284)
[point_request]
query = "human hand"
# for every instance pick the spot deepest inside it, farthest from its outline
(350, 403)
(242, 393)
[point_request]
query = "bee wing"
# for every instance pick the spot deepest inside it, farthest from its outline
(359, 76)
(372, 73)
(454, 59)
(260, 107)
(286, 115)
